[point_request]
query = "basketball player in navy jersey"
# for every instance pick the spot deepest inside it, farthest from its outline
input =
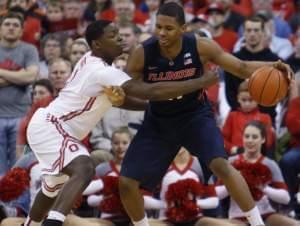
(186, 120)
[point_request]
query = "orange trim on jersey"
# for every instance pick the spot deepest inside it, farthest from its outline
(73, 114)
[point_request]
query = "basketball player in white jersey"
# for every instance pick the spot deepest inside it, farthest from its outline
(54, 132)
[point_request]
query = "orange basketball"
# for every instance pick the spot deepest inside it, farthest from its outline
(267, 86)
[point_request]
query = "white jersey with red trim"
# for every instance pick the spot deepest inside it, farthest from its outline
(82, 103)
(193, 171)
(263, 204)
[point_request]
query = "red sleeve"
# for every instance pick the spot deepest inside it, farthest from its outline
(227, 131)
(139, 17)
(21, 137)
(108, 14)
(292, 119)
(244, 7)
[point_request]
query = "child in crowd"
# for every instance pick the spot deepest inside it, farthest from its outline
(236, 121)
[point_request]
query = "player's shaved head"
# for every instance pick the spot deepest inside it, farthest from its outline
(95, 30)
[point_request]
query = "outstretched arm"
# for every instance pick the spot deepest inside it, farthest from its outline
(161, 90)
(211, 51)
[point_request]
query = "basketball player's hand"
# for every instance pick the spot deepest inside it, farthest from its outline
(285, 68)
(115, 94)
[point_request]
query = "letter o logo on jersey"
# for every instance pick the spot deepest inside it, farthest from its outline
(73, 147)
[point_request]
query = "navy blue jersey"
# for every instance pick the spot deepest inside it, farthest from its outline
(186, 65)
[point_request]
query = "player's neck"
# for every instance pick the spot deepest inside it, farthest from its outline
(171, 52)
(104, 58)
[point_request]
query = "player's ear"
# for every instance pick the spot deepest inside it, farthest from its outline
(184, 28)
(96, 44)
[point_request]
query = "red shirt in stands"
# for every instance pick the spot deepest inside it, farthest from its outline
(109, 14)
(227, 40)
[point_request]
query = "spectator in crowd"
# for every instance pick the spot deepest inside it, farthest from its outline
(278, 45)
(3, 5)
(94, 8)
(152, 6)
(129, 33)
(51, 48)
(290, 160)
(32, 23)
(200, 23)
(224, 37)
(58, 22)
(59, 72)
(236, 121)
(294, 59)
(254, 49)
(72, 9)
(263, 176)
(41, 89)
(282, 28)
(233, 20)
(124, 11)
(18, 68)
(78, 48)
(54, 11)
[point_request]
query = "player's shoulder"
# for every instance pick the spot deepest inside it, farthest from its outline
(150, 41)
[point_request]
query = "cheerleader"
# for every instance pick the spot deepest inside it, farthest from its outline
(263, 176)
(185, 195)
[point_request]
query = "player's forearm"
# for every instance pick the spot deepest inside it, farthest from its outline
(134, 104)
(167, 90)
(247, 68)
(21, 77)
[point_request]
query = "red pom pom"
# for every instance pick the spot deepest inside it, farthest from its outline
(111, 202)
(13, 184)
(257, 175)
(181, 199)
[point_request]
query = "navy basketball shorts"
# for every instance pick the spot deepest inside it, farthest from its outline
(158, 141)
